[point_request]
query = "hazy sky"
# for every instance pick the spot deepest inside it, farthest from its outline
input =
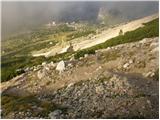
(24, 15)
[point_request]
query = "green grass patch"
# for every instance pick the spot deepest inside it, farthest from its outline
(12, 103)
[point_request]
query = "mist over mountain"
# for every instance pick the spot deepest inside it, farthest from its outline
(20, 16)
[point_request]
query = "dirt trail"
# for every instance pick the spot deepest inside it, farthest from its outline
(83, 43)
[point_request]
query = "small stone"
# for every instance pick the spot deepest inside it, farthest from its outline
(50, 43)
(51, 64)
(81, 58)
(26, 69)
(44, 63)
(34, 69)
(116, 48)
(152, 74)
(99, 68)
(130, 61)
(149, 74)
(148, 102)
(72, 58)
(71, 84)
(70, 65)
(108, 48)
(126, 65)
(86, 55)
(46, 68)
(55, 114)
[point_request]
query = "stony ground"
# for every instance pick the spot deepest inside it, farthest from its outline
(116, 82)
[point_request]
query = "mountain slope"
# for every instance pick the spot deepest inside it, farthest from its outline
(122, 79)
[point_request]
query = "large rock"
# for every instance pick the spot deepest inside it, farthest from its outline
(60, 66)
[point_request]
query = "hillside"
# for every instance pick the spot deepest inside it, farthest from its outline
(17, 50)
(119, 82)
(104, 34)
(115, 79)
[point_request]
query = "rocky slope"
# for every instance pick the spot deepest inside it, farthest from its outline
(116, 82)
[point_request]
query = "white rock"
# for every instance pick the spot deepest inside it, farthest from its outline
(149, 74)
(60, 66)
(81, 58)
(70, 65)
(51, 63)
(46, 68)
(108, 48)
(149, 102)
(72, 58)
(50, 43)
(18, 70)
(115, 48)
(99, 68)
(44, 63)
(71, 84)
(86, 55)
(130, 61)
(34, 69)
(126, 65)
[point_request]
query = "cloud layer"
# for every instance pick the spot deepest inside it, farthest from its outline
(18, 16)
